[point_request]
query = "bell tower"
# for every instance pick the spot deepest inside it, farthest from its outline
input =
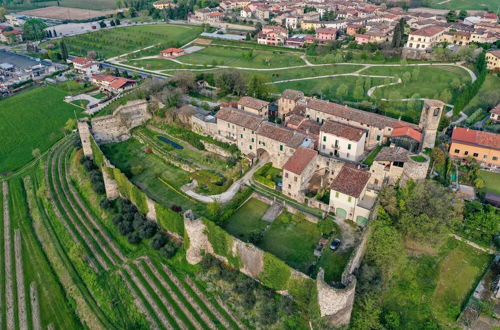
(429, 122)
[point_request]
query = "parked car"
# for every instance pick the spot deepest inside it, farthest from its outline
(335, 244)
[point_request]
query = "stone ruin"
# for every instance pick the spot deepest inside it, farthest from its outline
(116, 127)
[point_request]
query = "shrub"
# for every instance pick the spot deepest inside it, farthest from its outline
(159, 240)
(105, 204)
(117, 219)
(169, 250)
(148, 229)
(125, 227)
(176, 208)
(276, 273)
(133, 238)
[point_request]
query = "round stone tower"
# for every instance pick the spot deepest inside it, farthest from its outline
(415, 168)
(429, 122)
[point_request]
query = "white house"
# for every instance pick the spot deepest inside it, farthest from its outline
(342, 140)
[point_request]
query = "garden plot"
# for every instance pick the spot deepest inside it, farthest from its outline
(193, 49)
(289, 237)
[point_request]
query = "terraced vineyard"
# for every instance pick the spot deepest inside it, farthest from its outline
(62, 266)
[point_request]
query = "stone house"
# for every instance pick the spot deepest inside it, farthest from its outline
(342, 140)
(350, 196)
(112, 84)
(297, 172)
(288, 101)
(253, 105)
(279, 143)
(238, 127)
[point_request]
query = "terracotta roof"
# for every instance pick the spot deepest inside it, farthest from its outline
(407, 131)
(345, 131)
(292, 94)
(252, 102)
(428, 31)
(392, 154)
(477, 138)
(310, 127)
(114, 82)
(360, 116)
(495, 53)
(299, 160)
(294, 120)
(350, 181)
(286, 136)
(81, 60)
(496, 110)
(103, 77)
(240, 118)
(172, 50)
(327, 30)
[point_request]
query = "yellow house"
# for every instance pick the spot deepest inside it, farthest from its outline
(493, 60)
(163, 4)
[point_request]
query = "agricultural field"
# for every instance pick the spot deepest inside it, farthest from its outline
(25, 127)
(462, 4)
(87, 4)
(118, 41)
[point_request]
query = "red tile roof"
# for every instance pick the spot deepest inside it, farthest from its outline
(172, 50)
(345, 131)
(81, 60)
(476, 138)
(407, 131)
(252, 102)
(286, 136)
(428, 31)
(350, 181)
(299, 160)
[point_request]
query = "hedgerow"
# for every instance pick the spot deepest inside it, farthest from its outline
(221, 242)
(169, 220)
(130, 191)
(275, 273)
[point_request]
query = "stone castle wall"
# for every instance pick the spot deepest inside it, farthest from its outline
(116, 127)
(84, 131)
(415, 170)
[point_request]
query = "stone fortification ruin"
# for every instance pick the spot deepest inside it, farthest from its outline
(116, 127)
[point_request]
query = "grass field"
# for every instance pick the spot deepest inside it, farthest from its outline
(463, 4)
(489, 88)
(242, 57)
(434, 286)
(31, 120)
(113, 42)
(87, 4)
(491, 181)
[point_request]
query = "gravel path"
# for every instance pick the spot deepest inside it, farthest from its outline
(35, 307)
(9, 290)
(21, 294)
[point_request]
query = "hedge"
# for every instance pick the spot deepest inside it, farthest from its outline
(98, 154)
(130, 191)
(222, 243)
(169, 220)
(303, 291)
(275, 273)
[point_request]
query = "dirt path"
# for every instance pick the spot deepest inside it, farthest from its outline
(35, 307)
(21, 295)
(9, 290)
(474, 245)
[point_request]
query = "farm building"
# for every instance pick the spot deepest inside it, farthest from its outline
(172, 52)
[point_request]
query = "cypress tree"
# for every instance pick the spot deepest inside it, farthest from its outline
(64, 50)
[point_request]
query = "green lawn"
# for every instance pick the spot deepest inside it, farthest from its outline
(109, 43)
(247, 219)
(31, 120)
(291, 241)
(242, 57)
(491, 180)
(81, 103)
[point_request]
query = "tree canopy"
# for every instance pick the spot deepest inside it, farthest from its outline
(33, 29)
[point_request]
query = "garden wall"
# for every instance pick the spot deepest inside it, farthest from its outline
(288, 207)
